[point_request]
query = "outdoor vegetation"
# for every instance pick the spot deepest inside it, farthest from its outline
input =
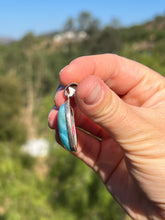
(58, 186)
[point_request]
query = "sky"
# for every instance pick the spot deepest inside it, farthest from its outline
(19, 17)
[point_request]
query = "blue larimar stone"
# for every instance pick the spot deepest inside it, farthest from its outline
(62, 127)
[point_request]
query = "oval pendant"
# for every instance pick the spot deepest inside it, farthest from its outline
(66, 124)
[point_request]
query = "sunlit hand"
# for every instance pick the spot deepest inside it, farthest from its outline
(123, 103)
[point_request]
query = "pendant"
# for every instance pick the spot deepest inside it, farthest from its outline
(66, 123)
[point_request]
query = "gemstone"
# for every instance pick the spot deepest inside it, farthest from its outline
(62, 127)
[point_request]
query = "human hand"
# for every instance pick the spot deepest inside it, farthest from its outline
(123, 103)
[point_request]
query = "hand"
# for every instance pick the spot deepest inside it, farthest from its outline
(121, 102)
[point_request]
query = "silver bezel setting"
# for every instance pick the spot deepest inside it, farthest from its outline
(69, 114)
(70, 123)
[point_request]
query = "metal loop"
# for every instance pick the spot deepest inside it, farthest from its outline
(70, 90)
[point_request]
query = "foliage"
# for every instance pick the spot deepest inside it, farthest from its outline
(51, 188)
(23, 193)
(84, 22)
(11, 102)
(106, 41)
(83, 205)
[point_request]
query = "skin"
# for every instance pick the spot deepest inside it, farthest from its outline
(123, 103)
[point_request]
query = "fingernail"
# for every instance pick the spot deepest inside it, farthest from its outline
(60, 87)
(94, 95)
(52, 122)
(53, 108)
(62, 69)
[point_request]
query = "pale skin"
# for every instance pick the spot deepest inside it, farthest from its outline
(123, 103)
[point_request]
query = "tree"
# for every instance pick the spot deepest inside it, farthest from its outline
(115, 23)
(11, 102)
(84, 21)
(105, 41)
(28, 41)
(69, 25)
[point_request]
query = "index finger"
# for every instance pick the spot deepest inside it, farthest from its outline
(119, 73)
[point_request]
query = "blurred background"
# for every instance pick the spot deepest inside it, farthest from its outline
(38, 179)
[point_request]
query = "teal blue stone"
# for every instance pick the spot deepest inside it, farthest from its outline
(62, 127)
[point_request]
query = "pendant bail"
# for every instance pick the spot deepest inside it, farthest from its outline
(70, 90)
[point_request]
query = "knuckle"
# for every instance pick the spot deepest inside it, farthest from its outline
(112, 111)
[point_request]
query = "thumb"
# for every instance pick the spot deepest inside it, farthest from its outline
(96, 100)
